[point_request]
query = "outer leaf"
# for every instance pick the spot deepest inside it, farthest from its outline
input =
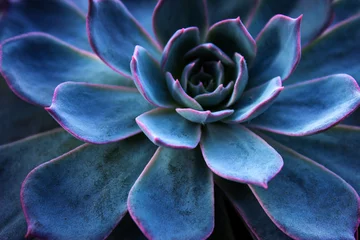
(175, 188)
(34, 64)
(303, 212)
(255, 101)
(180, 43)
(166, 128)
(82, 5)
(97, 113)
(232, 37)
(279, 50)
(334, 52)
(344, 9)
(149, 79)
(336, 149)
(311, 107)
(16, 160)
(114, 33)
(250, 210)
(57, 17)
(18, 118)
(226, 9)
(235, 153)
(317, 15)
(203, 116)
(172, 15)
(87, 188)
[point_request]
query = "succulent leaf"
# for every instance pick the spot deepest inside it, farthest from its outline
(203, 116)
(19, 158)
(208, 52)
(149, 79)
(232, 37)
(345, 9)
(255, 101)
(279, 50)
(169, 17)
(164, 193)
(295, 112)
(233, 152)
(303, 212)
(97, 113)
(92, 181)
(317, 16)
(214, 98)
(56, 62)
(166, 128)
(115, 48)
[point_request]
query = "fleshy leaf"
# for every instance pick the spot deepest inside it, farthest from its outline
(175, 188)
(208, 52)
(166, 128)
(203, 116)
(279, 50)
(214, 98)
(180, 43)
(317, 15)
(215, 69)
(172, 15)
(226, 9)
(334, 52)
(344, 9)
(240, 81)
(336, 149)
(303, 211)
(179, 95)
(58, 18)
(97, 113)
(82, 5)
(250, 210)
(231, 36)
(34, 64)
(255, 101)
(235, 153)
(87, 187)
(188, 71)
(17, 159)
(311, 106)
(20, 119)
(149, 79)
(114, 33)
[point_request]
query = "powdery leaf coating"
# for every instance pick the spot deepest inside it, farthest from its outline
(57, 195)
(165, 193)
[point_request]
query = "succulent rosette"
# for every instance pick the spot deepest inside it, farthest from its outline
(221, 102)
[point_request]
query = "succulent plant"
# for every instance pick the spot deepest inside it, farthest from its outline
(235, 102)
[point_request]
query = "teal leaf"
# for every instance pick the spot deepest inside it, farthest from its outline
(300, 198)
(97, 113)
(250, 210)
(311, 106)
(317, 16)
(203, 116)
(255, 101)
(87, 188)
(114, 33)
(235, 153)
(34, 64)
(164, 127)
(149, 79)
(279, 50)
(336, 149)
(335, 52)
(226, 9)
(175, 188)
(208, 52)
(17, 159)
(345, 9)
(171, 15)
(232, 37)
(212, 99)
(58, 18)
(181, 42)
